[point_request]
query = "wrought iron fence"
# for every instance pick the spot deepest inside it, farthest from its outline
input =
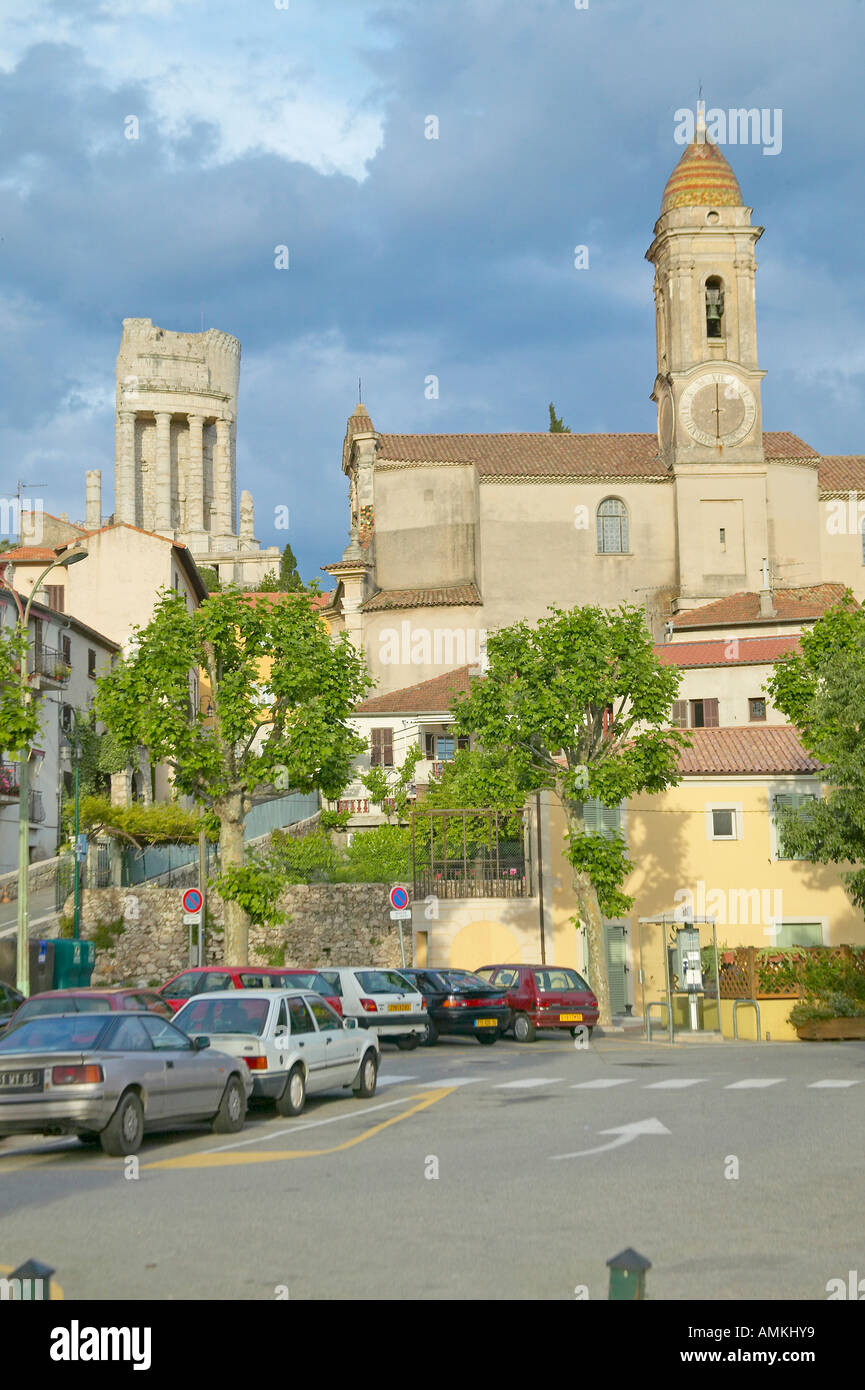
(46, 661)
(470, 854)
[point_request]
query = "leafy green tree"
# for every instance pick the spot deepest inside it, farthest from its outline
(19, 711)
(381, 788)
(822, 691)
(380, 855)
(293, 725)
(556, 425)
(582, 705)
(288, 581)
(210, 577)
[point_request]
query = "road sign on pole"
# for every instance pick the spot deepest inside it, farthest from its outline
(400, 914)
(399, 898)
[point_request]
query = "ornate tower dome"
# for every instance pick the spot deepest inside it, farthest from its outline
(702, 178)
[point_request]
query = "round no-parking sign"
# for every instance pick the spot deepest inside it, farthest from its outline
(192, 900)
(399, 897)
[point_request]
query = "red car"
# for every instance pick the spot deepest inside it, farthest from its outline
(543, 996)
(90, 1001)
(202, 979)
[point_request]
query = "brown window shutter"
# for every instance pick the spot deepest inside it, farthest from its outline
(710, 714)
(375, 747)
(462, 741)
(680, 714)
(55, 594)
(430, 747)
(387, 747)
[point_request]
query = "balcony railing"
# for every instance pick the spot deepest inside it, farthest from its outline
(470, 854)
(50, 664)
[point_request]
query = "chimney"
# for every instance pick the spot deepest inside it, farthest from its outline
(93, 496)
(767, 606)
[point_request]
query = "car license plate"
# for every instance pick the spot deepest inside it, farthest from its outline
(570, 1018)
(398, 1008)
(20, 1081)
(486, 1022)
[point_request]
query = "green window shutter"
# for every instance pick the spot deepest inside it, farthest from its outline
(798, 934)
(602, 820)
(790, 801)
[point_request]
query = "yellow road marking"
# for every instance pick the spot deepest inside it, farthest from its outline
(220, 1160)
(57, 1294)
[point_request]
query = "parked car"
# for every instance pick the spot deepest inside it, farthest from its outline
(113, 1078)
(204, 979)
(380, 999)
(459, 1002)
(543, 996)
(292, 1042)
(90, 1001)
(10, 1002)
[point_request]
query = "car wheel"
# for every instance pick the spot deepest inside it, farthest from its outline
(408, 1042)
(488, 1038)
(524, 1030)
(581, 1028)
(367, 1076)
(432, 1034)
(293, 1098)
(231, 1114)
(125, 1130)
(90, 1136)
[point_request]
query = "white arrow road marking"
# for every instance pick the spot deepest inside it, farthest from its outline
(674, 1084)
(625, 1133)
(825, 1085)
(602, 1083)
(524, 1085)
(754, 1083)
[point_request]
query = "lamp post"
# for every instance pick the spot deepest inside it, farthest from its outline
(71, 557)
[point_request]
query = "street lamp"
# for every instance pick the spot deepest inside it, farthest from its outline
(63, 561)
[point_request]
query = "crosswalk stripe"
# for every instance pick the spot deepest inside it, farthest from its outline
(674, 1083)
(450, 1081)
(755, 1083)
(602, 1083)
(527, 1083)
(827, 1085)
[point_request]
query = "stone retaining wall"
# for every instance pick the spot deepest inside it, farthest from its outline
(42, 875)
(327, 923)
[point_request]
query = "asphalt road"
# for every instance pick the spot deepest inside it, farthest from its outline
(343, 1202)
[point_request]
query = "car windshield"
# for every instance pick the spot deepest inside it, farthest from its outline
(65, 1004)
(550, 980)
(384, 982)
(56, 1035)
(236, 1015)
(462, 980)
(306, 979)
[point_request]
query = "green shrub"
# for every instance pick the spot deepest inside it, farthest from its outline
(311, 858)
(381, 855)
(104, 937)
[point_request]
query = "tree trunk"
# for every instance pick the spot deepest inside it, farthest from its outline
(236, 940)
(592, 919)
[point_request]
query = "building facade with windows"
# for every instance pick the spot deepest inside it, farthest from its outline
(66, 657)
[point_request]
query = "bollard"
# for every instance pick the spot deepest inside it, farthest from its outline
(628, 1275)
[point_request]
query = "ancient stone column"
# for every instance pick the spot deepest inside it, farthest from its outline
(124, 472)
(222, 477)
(93, 499)
(247, 516)
(195, 475)
(162, 497)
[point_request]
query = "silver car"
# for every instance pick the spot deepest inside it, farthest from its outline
(111, 1079)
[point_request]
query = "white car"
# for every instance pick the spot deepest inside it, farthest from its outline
(381, 1000)
(291, 1040)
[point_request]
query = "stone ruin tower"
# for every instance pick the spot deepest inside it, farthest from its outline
(176, 430)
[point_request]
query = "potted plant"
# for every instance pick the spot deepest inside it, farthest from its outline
(832, 1016)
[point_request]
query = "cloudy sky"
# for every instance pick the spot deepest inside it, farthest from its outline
(302, 123)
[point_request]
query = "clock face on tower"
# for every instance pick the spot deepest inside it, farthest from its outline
(717, 408)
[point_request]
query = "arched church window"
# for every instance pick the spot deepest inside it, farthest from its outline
(612, 527)
(714, 308)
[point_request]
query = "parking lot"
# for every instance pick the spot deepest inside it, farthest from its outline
(505, 1172)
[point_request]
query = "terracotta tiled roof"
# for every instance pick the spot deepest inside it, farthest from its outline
(746, 651)
(557, 455)
(428, 697)
(21, 554)
(791, 605)
(256, 596)
(456, 596)
(770, 749)
(842, 473)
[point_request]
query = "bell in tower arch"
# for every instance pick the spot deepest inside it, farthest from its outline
(714, 308)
